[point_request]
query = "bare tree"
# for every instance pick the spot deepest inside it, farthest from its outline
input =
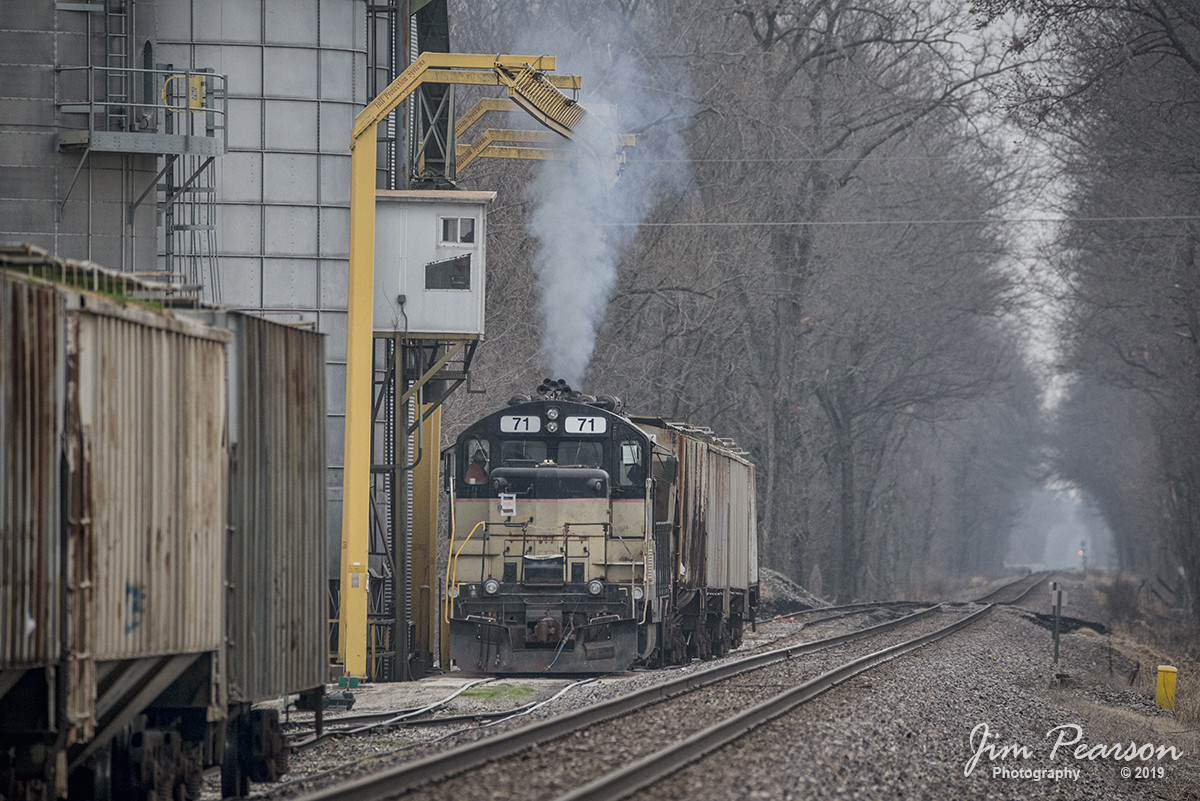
(1118, 109)
(818, 278)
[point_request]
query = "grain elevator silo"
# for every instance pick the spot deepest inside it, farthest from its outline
(203, 141)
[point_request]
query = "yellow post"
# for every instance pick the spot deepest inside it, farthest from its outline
(356, 471)
(424, 532)
(1164, 692)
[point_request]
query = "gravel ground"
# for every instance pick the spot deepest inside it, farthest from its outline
(902, 731)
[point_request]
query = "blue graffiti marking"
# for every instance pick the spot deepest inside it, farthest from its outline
(134, 596)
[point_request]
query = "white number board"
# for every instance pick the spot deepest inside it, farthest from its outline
(585, 425)
(520, 424)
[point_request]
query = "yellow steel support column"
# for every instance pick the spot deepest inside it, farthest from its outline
(356, 471)
(424, 533)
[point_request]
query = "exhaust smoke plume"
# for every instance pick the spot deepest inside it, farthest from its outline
(581, 225)
(575, 262)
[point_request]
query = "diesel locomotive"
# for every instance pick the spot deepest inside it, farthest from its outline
(587, 540)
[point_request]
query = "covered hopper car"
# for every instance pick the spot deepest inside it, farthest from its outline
(162, 536)
(584, 540)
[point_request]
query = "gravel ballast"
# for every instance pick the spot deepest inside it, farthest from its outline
(902, 731)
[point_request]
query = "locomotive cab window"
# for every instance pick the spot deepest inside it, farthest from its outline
(477, 455)
(522, 452)
(458, 230)
(580, 453)
(630, 472)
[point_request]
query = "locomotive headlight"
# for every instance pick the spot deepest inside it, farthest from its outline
(552, 413)
(491, 586)
(639, 592)
(595, 587)
(552, 426)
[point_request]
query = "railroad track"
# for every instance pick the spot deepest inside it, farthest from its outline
(1011, 593)
(824, 614)
(536, 742)
(432, 714)
(375, 722)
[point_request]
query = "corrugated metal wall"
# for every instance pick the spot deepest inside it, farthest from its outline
(31, 393)
(298, 75)
(719, 544)
(693, 512)
(752, 525)
(151, 418)
(740, 529)
(277, 566)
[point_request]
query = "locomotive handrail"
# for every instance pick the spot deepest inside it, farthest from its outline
(452, 569)
(452, 566)
(566, 549)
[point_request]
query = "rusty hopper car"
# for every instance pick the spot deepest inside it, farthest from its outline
(584, 540)
(143, 607)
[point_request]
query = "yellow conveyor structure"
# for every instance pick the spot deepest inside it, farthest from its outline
(529, 86)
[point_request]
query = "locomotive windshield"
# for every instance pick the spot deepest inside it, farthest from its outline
(542, 436)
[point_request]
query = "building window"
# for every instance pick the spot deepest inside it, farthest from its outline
(452, 273)
(458, 230)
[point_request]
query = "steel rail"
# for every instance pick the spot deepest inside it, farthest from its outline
(381, 719)
(865, 609)
(1040, 577)
(411, 716)
(393, 781)
(427, 708)
(646, 771)
(846, 610)
(402, 778)
(499, 716)
(861, 606)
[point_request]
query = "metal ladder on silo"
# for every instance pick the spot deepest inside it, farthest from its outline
(116, 66)
(189, 206)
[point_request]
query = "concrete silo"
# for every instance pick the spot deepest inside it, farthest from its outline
(206, 142)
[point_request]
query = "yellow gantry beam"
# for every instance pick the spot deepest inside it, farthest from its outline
(486, 104)
(356, 476)
(492, 79)
(483, 106)
(530, 90)
(485, 146)
(414, 76)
